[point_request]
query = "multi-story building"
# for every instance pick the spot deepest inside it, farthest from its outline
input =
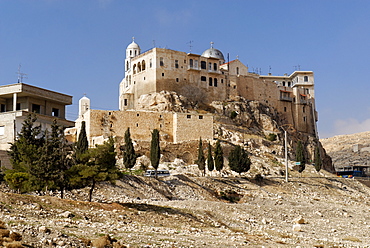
(19, 100)
(206, 78)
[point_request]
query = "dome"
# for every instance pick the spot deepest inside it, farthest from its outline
(133, 45)
(213, 53)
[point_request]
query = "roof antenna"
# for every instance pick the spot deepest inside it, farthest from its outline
(20, 74)
(190, 45)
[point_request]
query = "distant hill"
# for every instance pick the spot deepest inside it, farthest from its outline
(351, 149)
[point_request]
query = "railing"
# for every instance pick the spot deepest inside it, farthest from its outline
(286, 98)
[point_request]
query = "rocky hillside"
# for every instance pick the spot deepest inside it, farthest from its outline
(237, 122)
(345, 150)
(315, 210)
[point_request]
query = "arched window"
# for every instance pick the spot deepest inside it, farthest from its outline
(143, 65)
(214, 66)
(127, 66)
(138, 67)
(135, 52)
(215, 82)
(134, 68)
(150, 63)
(237, 70)
(305, 78)
(210, 81)
(203, 65)
(130, 52)
(289, 83)
(283, 83)
(191, 63)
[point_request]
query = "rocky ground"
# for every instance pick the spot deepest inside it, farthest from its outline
(315, 210)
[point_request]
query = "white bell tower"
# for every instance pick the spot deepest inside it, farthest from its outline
(83, 105)
(132, 51)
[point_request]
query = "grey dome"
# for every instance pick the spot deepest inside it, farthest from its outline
(213, 53)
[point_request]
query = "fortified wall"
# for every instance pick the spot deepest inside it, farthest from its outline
(173, 127)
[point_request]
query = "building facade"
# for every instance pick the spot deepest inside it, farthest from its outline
(206, 78)
(17, 101)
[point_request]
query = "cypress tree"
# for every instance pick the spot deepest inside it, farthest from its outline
(201, 160)
(300, 157)
(82, 144)
(129, 156)
(210, 162)
(239, 160)
(155, 152)
(318, 161)
(219, 157)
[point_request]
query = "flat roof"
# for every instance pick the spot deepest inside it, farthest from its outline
(23, 90)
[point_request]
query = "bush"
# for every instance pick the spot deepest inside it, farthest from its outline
(271, 137)
(233, 115)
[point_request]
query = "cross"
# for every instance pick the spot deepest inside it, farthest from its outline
(212, 44)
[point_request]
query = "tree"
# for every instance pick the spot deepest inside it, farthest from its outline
(219, 157)
(25, 152)
(155, 152)
(239, 160)
(101, 166)
(129, 155)
(82, 143)
(55, 158)
(300, 157)
(210, 162)
(201, 160)
(318, 161)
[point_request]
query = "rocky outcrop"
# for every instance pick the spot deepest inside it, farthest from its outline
(164, 101)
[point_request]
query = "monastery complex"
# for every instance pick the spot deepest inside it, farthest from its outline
(201, 79)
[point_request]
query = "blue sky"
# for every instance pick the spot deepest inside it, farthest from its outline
(78, 46)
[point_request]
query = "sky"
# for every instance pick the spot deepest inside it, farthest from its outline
(77, 47)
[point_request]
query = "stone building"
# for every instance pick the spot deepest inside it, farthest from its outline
(201, 79)
(17, 101)
(206, 78)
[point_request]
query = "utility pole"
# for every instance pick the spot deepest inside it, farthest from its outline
(286, 156)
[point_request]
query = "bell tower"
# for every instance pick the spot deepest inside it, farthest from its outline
(132, 51)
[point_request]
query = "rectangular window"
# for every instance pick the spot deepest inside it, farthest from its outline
(150, 63)
(196, 64)
(2, 108)
(18, 106)
(177, 79)
(55, 112)
(215, 82)
(203, 65)
(203, 78)
(2, 130)
(200, 117)
(210, 81)
(176, 64)
(188, 116)
(162, 74)
(36, 108)
(210, 66)
(161, 63)
(125, 102)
